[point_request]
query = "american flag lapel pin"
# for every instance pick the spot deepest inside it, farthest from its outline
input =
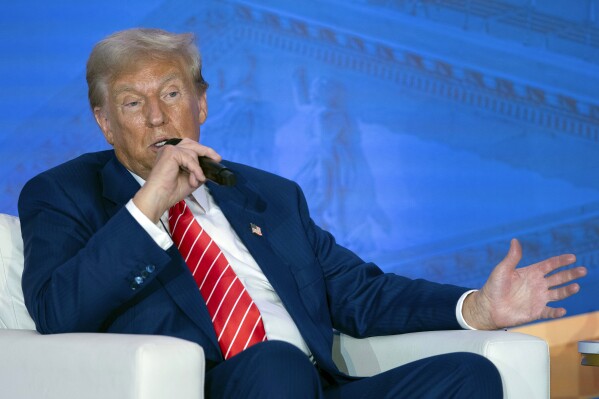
(256, 229)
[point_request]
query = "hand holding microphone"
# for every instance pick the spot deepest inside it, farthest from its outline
(212, 170)
(166, 186)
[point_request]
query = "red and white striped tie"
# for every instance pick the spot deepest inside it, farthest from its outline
(235, 316)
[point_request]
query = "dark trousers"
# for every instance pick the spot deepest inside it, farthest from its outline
(276, 369)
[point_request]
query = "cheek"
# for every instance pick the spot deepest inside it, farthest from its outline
(131, 129)
(130, 137)
(187, 117)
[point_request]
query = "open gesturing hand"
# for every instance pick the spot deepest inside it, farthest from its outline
(514, 296)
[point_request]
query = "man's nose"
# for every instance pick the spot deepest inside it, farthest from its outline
(155, 114)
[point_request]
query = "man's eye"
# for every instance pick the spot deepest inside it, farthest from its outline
(132, 104)
(172, 94)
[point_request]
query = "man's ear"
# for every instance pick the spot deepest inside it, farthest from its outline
(203, 107)
(104, 123)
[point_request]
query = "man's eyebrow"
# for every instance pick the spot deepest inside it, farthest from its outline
(129, 88)
(168, 78)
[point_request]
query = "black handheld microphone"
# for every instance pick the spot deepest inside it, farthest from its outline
(212, 170)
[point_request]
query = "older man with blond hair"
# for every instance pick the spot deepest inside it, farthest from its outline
(137, 240)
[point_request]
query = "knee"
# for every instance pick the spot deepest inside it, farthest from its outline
(283, 370)
(478, 375)
(273, 354)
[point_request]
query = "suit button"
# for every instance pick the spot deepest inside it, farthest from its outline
(145, 274)
(150, 268)
(138, 280)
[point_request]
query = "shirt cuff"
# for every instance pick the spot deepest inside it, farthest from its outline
(458, 311)
(159, 236)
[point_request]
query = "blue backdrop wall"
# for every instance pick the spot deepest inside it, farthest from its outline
(425, 134)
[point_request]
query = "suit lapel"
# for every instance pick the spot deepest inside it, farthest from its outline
(119, 186)
(243, 207)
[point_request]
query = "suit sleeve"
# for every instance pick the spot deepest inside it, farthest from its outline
(363, 301)
(76, 274)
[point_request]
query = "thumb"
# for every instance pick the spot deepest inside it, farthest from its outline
(513, 257)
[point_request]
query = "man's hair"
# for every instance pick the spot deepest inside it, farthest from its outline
(121, 50)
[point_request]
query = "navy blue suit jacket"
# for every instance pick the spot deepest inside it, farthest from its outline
(90, 267)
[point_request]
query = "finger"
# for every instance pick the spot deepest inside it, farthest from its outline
(193, 181)
(552, 313)
(211, 153)
(565, 276)
(189, 163)
(191, 177)
(512, 258)
(186, 159)
(187, 142)
(557, 294)
(199, 149)
(549, 265)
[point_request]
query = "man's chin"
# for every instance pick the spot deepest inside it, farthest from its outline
(140, 169)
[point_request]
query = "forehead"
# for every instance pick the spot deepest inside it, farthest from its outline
(148, 74)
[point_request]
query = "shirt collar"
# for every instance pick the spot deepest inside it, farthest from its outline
(203, 198)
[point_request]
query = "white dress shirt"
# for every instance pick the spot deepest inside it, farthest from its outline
(278, 324)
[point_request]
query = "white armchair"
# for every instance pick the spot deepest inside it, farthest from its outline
(75, 366)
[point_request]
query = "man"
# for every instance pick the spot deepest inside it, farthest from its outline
(109, 246)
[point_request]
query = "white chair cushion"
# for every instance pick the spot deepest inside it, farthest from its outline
(13, 314)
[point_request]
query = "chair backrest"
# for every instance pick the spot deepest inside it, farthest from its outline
(13, 313)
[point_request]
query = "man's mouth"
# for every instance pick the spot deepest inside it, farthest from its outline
(160, 143)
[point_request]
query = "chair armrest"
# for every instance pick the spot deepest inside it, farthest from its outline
(85, 365)
(522, 360)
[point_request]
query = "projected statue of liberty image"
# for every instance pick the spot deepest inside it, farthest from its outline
(243, 126)
(334, 172)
